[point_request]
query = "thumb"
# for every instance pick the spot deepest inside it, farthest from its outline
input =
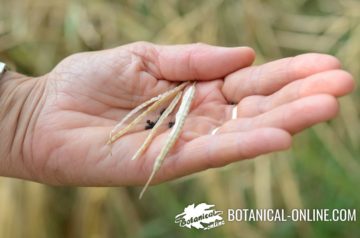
(200, 61)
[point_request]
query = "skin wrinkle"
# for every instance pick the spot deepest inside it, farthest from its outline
(295, 93)
(146, 167)
(151, 81)
(123, 80)
(63, 75)
(296, 90)
(139, 69)
(243, 151)
(285, 117)
(113, 114)
(157, 84)
(54, 163)
(121, 145)
(196, 103)
(85, 179)
(151, 68)
(221, 161)
(13, 140)
(33, 123)
(255, 75)
(262, 107)
(8, 100)
(131, 104)
(119, 86)
(40, 89)
(300, 88)
(238, 90)
(19, 90)
(134, 66)
(255, 78)
(50, 166)
(78, 124)
(241, 124)
(289, 68)
(281, 120)
(199, 102)
(119, 68)
(105, 98)
(75, 97)
(17, 129)
(120, 163)
(141, 170)
(174, 70)
(94, 115)
(106, 157)
(52, 172)
(149, 53)
(20, 133)
(305, 111)
(160, 62)
(190, 64)
(174, 163)
(157, 67)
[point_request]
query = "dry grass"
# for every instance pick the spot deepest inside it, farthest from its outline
(322, 170)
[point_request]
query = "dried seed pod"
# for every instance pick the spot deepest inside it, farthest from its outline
(157, 101)
(164, 115)
(174, 133)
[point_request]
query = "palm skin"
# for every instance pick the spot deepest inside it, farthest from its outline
(88, 93)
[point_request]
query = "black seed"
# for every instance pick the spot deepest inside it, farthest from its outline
(150, 124)
(147, 127)
(171, 124)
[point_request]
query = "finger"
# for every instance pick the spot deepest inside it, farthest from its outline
(201, 61)
(268, 78)
(334, 82)
(219, 150)
(292, 117)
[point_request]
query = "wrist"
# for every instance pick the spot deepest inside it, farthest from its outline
(19, 99)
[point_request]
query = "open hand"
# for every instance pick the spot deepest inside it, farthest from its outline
(88, 93)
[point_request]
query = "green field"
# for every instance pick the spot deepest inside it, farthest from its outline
(322, 170)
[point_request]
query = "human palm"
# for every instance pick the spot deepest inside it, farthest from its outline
(88, 93)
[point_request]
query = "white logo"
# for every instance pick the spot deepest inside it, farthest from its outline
(200, 217)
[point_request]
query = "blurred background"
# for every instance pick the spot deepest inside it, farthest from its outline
(322, 170)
